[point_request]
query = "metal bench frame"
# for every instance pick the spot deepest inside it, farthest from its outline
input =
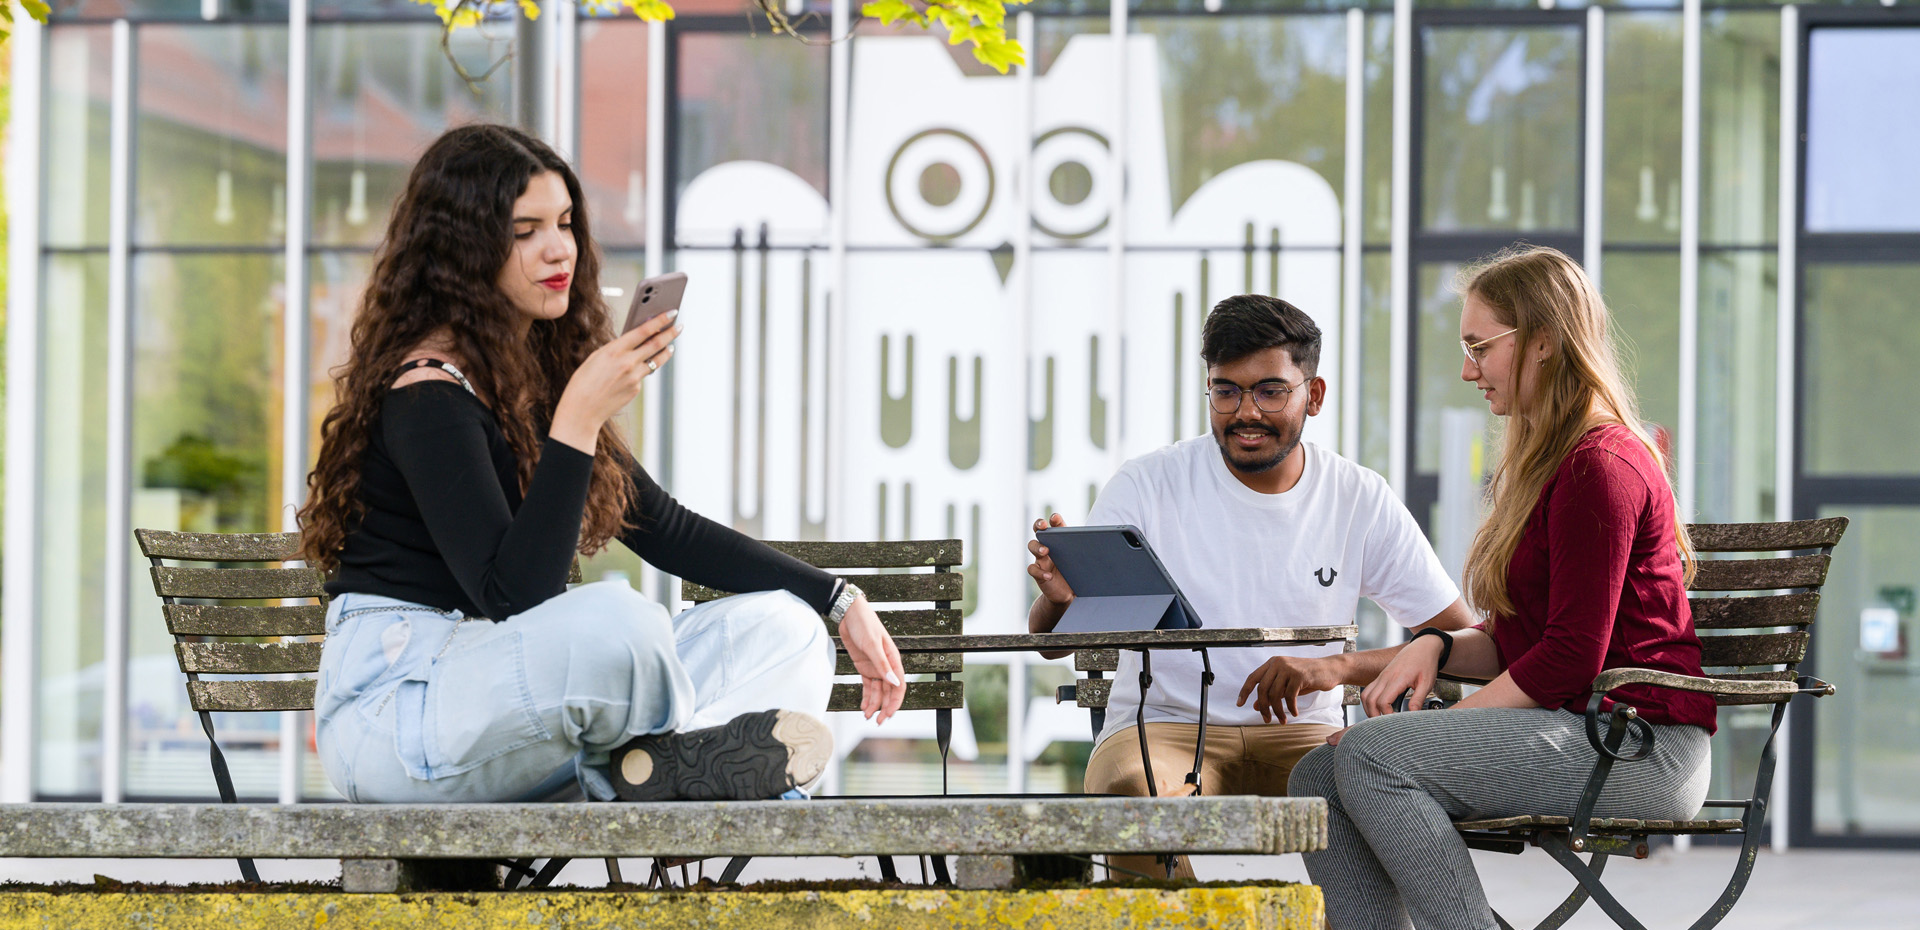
(1766, 641)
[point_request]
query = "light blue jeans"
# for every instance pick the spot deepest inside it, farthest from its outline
(424, 705)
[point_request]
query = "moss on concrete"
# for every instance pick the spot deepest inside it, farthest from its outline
(1254, 907)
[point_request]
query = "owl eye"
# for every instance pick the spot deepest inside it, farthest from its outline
(1073, 202)
(939, 184)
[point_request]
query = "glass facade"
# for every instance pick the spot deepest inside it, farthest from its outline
(1000, 298)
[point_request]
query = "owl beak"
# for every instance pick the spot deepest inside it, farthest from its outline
(1003, 261)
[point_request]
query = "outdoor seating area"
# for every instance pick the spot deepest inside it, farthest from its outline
(936, 464)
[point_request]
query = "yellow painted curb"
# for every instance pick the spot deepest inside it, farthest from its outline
(1254, 907)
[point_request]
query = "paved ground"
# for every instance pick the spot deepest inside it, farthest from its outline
(1798, 889)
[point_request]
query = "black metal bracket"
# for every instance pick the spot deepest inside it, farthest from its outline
(222, 776)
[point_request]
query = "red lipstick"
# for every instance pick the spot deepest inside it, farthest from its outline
(558, 282)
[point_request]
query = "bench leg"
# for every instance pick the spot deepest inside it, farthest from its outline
(1589, 879)
(1577, 899)
(401, 876)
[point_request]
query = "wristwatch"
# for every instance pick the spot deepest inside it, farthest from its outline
(849, 592)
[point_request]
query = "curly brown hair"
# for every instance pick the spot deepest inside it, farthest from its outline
(435, 274)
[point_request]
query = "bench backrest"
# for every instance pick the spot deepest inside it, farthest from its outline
(884, 570)
(1760, 637)
(216, 636)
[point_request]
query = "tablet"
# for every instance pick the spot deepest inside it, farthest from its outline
(1118, 583)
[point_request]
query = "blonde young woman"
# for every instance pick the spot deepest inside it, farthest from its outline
(1581, 565)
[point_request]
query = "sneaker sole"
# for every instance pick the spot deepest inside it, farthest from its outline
(757, 756)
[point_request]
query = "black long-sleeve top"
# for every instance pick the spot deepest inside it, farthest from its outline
(445, 524)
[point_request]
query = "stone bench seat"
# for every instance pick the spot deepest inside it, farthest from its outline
(373, 839)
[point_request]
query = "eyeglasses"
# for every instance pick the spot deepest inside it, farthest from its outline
(1478, 350)
(1268, 396)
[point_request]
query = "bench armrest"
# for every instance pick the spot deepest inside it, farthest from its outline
(1617, 677)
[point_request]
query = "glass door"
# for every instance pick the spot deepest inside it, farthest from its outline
(1854, 754)
(1498, 135)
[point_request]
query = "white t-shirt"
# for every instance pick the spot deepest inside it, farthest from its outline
(1246, 559)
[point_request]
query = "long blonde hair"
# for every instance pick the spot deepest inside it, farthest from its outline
(1578, 386)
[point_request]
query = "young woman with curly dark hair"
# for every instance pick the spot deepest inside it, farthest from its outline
(468, 459)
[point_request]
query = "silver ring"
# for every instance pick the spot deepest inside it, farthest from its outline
(652, 366)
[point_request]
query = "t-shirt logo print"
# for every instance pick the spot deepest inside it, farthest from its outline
(1327, 581)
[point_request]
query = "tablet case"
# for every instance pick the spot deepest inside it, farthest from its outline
(1118, 583)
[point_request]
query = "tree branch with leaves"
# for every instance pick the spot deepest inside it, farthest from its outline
(979, 23)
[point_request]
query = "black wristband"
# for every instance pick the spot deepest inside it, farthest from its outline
(1446, 644)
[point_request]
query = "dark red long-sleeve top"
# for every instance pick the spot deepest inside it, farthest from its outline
(1597, 583)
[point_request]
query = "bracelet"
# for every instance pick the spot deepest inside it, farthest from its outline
(1446, 644)
(849, 592)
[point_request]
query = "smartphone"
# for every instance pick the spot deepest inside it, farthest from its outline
(654, 296)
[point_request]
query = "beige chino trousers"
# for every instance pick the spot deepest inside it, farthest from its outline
(1239, 760)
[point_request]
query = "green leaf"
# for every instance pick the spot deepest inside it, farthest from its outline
(988, 12)
(653, 11)
(530, 8)
(37, 9)
(1000, 54)
(889, 12)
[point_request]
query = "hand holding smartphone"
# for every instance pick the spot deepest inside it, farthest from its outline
(654, 296)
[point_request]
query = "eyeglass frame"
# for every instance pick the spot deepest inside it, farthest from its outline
(1469, 348)
(1241, 393)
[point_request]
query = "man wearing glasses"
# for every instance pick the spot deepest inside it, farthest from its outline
(1259, 529)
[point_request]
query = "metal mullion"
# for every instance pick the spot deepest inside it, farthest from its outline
(1351, 271)
(1406, 58)
(566, 59)
(1117, 235)
(1687, 440)
(836, 344)
(19, 611)
(1023, 312)
(653, 402)
(1787, 295)
(119, 476)
(1594, 207)
(296, 361)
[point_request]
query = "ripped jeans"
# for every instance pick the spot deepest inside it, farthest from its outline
(424, 705)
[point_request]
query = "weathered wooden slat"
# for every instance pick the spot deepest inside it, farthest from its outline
(277, 694)
(247, 658)
(242, 620)
(1610, 825)
(233, 583)
(1134, 639)
(1729, 689)
(1096, 660)
(930, 622)
(924, 586)
(1801, 571)
(921, 695)
(1738, 613)
(1766, 537)
(911, 553)
(1753, 649)
(916, 663)
(218, 547)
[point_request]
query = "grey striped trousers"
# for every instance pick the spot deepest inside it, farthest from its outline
(1395, 784)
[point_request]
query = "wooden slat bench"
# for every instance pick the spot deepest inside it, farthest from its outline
(1751, 646)
(218, 613)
